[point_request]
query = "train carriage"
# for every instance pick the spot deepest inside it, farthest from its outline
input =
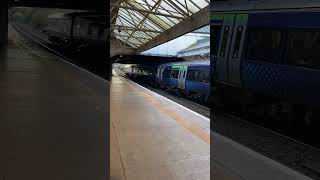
(189, 78)
(77, 30)
(267, 57)
(186, 78)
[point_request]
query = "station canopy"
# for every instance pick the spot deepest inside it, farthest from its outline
(136, 22)
(183, 43)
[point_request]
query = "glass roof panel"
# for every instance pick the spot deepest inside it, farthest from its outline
(138, 21)
(173, 47)
(168, 6)
(141, 34)
(193, 8)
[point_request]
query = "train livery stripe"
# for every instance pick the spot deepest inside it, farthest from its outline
(242, 18)
(217, 17)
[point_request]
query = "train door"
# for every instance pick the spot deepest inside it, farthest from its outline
(223, 50)
(160, 73)
(230, 48)
(182, 77)
(239, 30)
(215, 34)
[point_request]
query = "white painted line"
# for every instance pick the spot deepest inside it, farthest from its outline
(185, 108)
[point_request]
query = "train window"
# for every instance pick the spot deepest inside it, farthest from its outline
(190, 75)
(166, 73)
(205, 77)
(214, 35)
(224, 41)
(198, 76)
(303, 48)
(264, 45)
(174, 74)
(237, 42)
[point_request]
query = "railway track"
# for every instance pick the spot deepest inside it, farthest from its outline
(98, 68)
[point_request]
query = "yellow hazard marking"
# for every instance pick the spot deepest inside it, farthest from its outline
(192, 127)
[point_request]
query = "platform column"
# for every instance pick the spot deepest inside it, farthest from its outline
(3, 22)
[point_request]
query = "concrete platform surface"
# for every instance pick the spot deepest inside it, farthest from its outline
(53, 117)
(234, 161)
(155, 139)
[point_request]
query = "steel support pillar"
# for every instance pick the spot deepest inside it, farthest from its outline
(3, 22)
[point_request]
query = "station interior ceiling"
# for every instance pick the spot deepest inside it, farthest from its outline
(139, 25)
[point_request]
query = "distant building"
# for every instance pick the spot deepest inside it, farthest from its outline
(198, 50)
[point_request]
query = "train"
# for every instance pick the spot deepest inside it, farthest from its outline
(190, 79)
(265, 60)
(78, 30)
(82, 37)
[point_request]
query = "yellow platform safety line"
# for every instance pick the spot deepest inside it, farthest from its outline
(192, 127)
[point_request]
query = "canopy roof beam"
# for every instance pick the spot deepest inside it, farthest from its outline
(134, 28)
(196, 21)
(146, 11)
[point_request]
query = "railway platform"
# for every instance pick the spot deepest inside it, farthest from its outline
(53, 116)
(155, 138)
(232, 161)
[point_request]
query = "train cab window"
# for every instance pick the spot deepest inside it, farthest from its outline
(166, 73)
(214, 35)
(174, 74)
(224, 41)
(303, 48)
(237, 42)
(264, 45)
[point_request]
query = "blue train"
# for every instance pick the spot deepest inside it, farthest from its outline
(189, 78)
(186, 78)
(267, 61)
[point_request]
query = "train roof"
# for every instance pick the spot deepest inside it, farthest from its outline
(245, 5)
(191, 63)
(57, 16)
(88, 16)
